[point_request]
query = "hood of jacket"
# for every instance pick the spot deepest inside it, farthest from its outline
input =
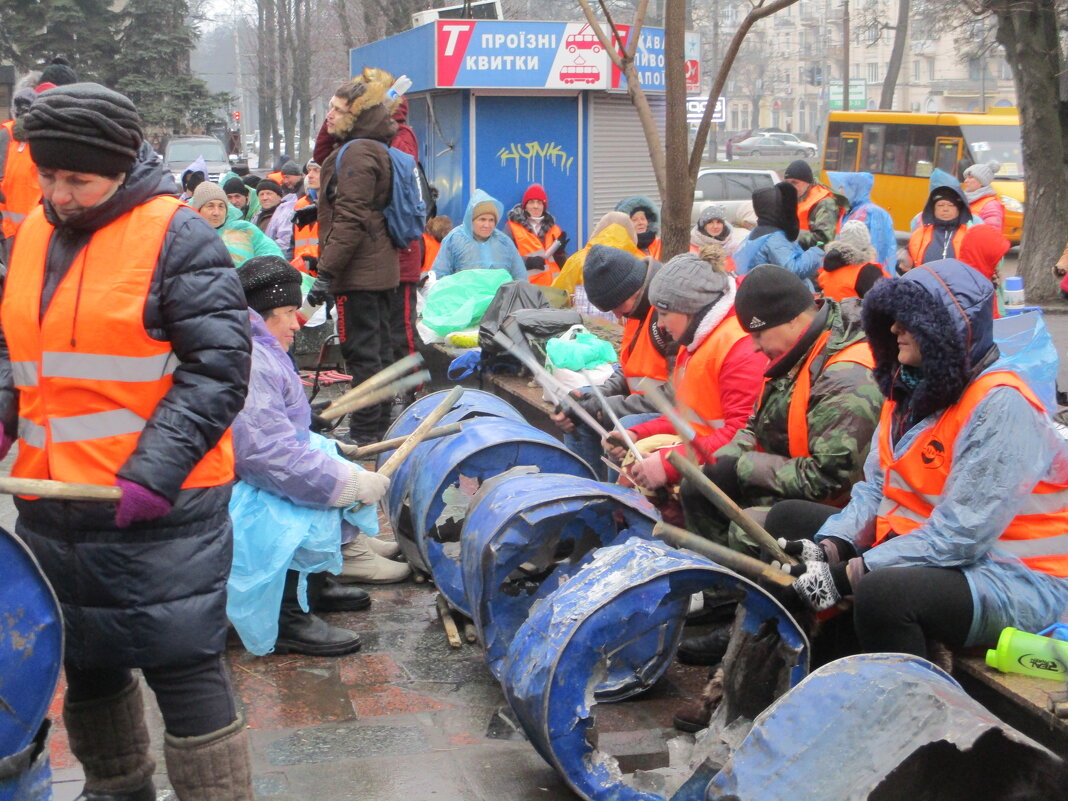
(853, 186)
(948, 308)
(480, 196)
(374, 122)
(632, 204)
(615, 236)
(196, 165)
(146, 179)
(940, 182)
(258, 327)
(776, 210)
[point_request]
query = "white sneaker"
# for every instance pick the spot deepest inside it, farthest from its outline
(382, 547)
(363, 565)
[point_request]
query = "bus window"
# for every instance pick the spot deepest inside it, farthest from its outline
(947, 153)
(998, 142)
(873, 148)
(847, 157)
(896, 150)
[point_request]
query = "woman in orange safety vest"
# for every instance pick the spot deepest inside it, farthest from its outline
(850, 267)
(965, 491)
(943, 221)
(537, 237)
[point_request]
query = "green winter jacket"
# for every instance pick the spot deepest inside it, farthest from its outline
(243, 239)
(843, 411)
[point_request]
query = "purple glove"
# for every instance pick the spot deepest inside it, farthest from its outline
(138, 503)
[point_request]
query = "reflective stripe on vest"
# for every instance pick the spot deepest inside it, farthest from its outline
(697, 374)
(89, 375)
(921, 238)
(913, 484)
(638, 355)
(797, 418)
(842, 283)
(305, 237)
(816, 193)
(19, 188)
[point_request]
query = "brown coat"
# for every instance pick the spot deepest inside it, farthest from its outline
(355, 250)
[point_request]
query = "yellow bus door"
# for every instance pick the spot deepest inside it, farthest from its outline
(849, 153)
(947, 154)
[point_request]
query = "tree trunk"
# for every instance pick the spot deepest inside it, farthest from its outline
(1027, 30)
(265, 84)
(677, 201)
(286, 90)
(897, 55)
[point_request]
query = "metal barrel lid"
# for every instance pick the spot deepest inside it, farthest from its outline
(626, 607)
(472, 404)
(486, 447)
(31, 645)
(524, 536)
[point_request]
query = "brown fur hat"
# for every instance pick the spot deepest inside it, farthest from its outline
(438, 227)
(364, 91)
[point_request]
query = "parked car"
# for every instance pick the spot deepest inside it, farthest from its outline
(728, 188)
(181, 151)
(810, 148)
(771, 145)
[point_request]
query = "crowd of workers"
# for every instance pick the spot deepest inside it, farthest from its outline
(849, 396)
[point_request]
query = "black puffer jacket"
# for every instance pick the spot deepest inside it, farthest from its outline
(152, 594)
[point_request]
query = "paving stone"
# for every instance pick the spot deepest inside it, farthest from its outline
(331, 743)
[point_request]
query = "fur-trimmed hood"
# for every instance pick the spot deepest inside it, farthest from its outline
(518, 214)
(632, 204)
(840, 254)
(948, 307)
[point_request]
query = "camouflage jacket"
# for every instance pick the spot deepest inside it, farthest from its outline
(822, 222)
(843, 411)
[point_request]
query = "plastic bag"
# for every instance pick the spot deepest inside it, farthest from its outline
(459, 300)
(1028, 350)
(272, 535)
(577, 349)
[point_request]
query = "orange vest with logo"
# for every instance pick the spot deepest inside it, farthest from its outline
(20, 188)
(842, 283)
(696, 376)
(431, 246)
(913, 483)
(88, 374)
(921, 240)
(638, 355)
(305, 237)
(527, 243)
(816, 193)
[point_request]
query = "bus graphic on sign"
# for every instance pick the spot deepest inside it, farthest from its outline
(583, 40)
(579, 73)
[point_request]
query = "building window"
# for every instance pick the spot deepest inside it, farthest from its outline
(916, 70)
(873, 72)
(930, 70)
(1004, 70)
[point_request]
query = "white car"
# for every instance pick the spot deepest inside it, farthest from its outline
(809, 148)
(728, 188)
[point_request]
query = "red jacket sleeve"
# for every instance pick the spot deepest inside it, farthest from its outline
(740, 380)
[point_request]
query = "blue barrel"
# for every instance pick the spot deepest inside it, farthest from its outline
(486, 447)
(31, 651)
(631, 599)
(472, 404)
(550, 524)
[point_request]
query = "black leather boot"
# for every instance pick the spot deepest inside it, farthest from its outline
(300, 632)
(708, 649)
(330, 596)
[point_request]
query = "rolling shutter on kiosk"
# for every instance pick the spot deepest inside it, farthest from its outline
(619, 157)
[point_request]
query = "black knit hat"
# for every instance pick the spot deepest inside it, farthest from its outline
(235, 186)
(83, 127)
(271, 186)
(269, 283)
(799, 170)
(769, 296)
(611, 276)
(58, 72)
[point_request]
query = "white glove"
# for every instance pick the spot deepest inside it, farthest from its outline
(370, 487)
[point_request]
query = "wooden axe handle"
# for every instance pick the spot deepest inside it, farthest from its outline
(420, 432)
(60, 490)
(738, 562)
(356, 452)
(383, 377)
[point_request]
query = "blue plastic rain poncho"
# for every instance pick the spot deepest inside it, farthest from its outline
(282, 506)
(856, 187)
(197, 165)
(243, 239)
(1003, 450)
(461, 251)
(280, 226)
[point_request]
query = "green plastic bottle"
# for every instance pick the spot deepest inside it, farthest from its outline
(1029, 654)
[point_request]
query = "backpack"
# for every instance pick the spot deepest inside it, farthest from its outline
(406, 212)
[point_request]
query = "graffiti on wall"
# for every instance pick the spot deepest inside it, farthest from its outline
(533, 157)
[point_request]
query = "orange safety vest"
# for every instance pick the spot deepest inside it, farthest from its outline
(527, 243)
(697, 374)
(305, 238)
(842, 283)
(797, 417)
(921, 240)
(976, 207)
(816, 193)
(431, 246)
(20, 187)
(88, 383)
(638, 355)
(654, 248)
(913, 483)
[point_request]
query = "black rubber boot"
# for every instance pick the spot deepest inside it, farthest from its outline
(300, 632)
(330, 596)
